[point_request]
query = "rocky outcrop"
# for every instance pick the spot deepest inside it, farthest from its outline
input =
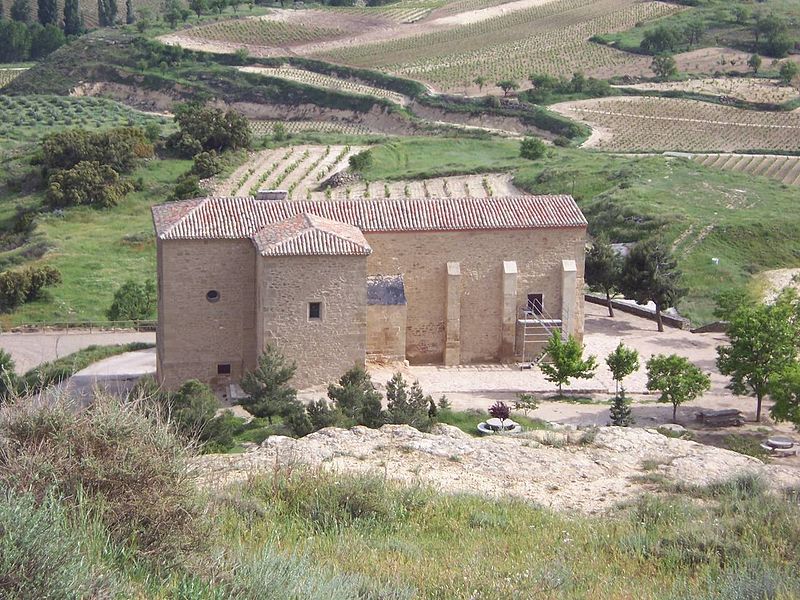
(564, 470)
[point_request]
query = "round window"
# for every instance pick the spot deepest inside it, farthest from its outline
(212, 296)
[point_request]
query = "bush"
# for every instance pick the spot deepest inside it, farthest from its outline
(404, 406)
(361, 161)
(88, 183)
(356, 398)
(188, 186)
(206, 164)
(213, 128)
(120, 148)
(133, 302)
(40, 556)
(532, 148)
(127, 467)
(18, 287)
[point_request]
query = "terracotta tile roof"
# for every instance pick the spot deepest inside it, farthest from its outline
(309, 235)
(240, 218)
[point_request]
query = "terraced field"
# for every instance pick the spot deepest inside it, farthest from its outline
(263, 31)
(29, 117)
(546, 38)
(769, 91)
(328, 82)
(267, 128)
(785, 169)
(664, 124)
(301, 169)
(7, 75)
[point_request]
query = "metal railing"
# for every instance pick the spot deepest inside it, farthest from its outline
(538, 326)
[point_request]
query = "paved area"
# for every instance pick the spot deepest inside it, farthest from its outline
(31, 349)
(116, 375)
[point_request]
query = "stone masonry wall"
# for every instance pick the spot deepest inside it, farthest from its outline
(422, 259)
(386, 331)
(323, 349)
(196, 335)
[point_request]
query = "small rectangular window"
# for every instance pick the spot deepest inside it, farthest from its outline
(314, 310)
(224, 369)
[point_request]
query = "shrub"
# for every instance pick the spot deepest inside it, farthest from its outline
(404, 406)
(18, 287)
(357, 399)
(133, 302)
(361, 161)
(128, 468)
(40, 556)
(188, 186)
(118, 148)
(213, 128)
(532, 148)
(88, 183)
(206, 164)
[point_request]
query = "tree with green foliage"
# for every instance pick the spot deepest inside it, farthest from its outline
(267, 387)
(763, 342)
(218, 5)
(2, 11)
(788, 71)
(86, 184)
(45, 40)
(21, 11)
(8, 376)
(120, 148)
(480, 81)
(772, 35)
(133, 301)
(532, 148)
(72, 17)
(130, 17)
(526, 403)
(322, 414)
(106, 12)
(603, 270)
(15, 41)
(48, 12)
(199, 7)
(650, 274)
(784, 389)
(677, 379)
(754, 62)
(406, 406)
(694, 31)
(173, 12)
(357, 399)
(213, 128)
(622, 362)
(566, 361)
(508, 86)
(661, 39)
(664, 66)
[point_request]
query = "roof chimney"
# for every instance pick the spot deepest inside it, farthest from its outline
(272, 195)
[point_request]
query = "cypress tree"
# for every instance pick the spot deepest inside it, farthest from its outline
(106, 12)
(48, 12)
(2, 11)
(129, 18)
(21, 11)
(72, 17)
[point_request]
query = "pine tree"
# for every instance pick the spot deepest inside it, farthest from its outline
(404, 406)
(48, 12)
(267, 387)
(620, 410)
(21, 11)
(357, 399)
(72, 17)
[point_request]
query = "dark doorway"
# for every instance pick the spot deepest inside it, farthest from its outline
(535, 304)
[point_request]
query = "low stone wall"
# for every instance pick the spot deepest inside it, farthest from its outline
(642, 311)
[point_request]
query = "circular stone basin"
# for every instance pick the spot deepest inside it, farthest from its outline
(497, 426)
(780, 442)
